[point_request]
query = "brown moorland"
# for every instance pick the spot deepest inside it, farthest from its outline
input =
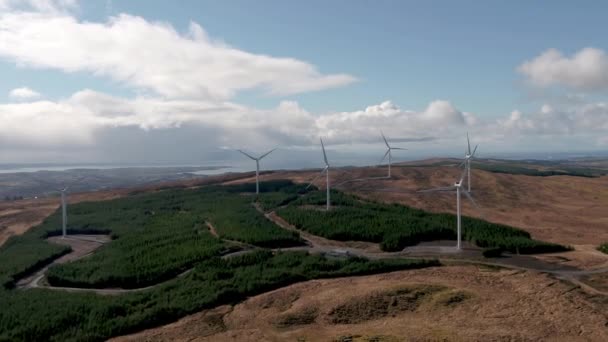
(452, 303)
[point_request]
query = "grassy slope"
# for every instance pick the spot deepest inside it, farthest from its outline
(396, 226)
(156, 235)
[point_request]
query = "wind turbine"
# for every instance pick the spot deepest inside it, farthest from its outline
(326, 171)
(458, 187)
(468, 156)
(257, 168)
(388, 153)
(64, 212)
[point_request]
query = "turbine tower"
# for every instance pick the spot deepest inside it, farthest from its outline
(458, 187)
(388, 153)
(64, 212)
(468, 156)
(326, 171)
(257, 168)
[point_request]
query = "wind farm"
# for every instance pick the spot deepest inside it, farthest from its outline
(289, 220)
(303, 171)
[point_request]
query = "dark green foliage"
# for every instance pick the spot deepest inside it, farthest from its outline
(493, 252)
(279, 185)
(165, 249)
(21, 255)
(338, 198)
(156, 236)
(37, 315)
(521, 170)
(273, 200)
(395, 226)
(603, 248)
(235, 218)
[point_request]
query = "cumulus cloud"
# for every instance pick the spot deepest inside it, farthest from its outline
(153, 56)
(439, 117)
(78, 118)
(589, 119)
(39, 5)
(585, 70)
(23, 93)
(86, 117)
(186, 83)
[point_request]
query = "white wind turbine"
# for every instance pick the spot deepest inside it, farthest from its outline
(388, 153)
(326, 171)
(457, 186)
(468, 156)
(64, 213)
(257, 168)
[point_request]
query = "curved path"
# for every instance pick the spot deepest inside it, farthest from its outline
(516, 262)
(320, 245)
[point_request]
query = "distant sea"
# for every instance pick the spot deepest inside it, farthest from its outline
(19, 168)
(288, 160)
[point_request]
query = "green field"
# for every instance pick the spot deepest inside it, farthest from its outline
(603, 248)
(157, 236)
(396, 226)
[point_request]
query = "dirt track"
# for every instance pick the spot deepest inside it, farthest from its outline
(561, 209)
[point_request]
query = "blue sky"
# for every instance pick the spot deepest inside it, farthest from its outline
(468, 54)
(410, 52)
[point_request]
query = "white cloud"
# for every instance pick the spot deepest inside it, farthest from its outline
(587, 119)
(153, 56)
(78, 117)
(86, 116)
(23, 93)
(45, 123)
(39, 5)
(439, 117)
(585, 70)
(186, 82)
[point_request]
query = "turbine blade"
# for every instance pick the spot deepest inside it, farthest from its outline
(386, 154)
(324, 154)
(267, 153)
(384, 138)
(464, 172)
(466, 193)
(468, 144)
(462, 164)
(317, 177)
(248, 155)
(474, 150)
(398, 148)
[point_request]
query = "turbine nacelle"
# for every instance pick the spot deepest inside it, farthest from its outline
(257, 167)
(324, 171)
(389, 148)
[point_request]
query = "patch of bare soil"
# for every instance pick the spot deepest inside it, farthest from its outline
(82, 246)
(16, 217)
(452, 303)
(302, 316)
(597, 281)
(585, 257)
(381, 304)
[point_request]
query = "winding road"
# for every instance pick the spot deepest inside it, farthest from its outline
(320, 245)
